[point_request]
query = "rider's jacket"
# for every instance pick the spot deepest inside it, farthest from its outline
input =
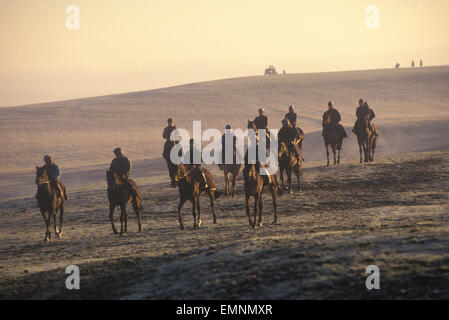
(365, 111)
(167, 132)
(261, 122)
(292, 117)
(53, 171)
(121, 166)
(334, 115)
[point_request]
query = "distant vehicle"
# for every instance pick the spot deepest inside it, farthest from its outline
(270, 70)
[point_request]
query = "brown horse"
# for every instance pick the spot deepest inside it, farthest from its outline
(289, 162)
(254, 187)
(49, 202)
(228, 170)
(189, 189)
(332, 137)
(170, 165)
(119, 196)
(367, 140)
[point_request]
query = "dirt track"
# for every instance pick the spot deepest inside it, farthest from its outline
(393, 214)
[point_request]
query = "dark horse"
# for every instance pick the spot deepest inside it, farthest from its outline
(289, 162)
(228, 170)
(367, 140)
(189, 189)
(170, 165)
(254, 187)
(49, 202)
(333, 137)
(119, 196)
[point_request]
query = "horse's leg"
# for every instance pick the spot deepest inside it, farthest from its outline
(274, 194)
(199, 212)
(373, 147)
(360, 150)
(194, 206)
(334, 153)
(61, 218)
(366, 151)
(226, 174)
(260, 211)
(55, 224)
(297, 168)
(122, 218)
(47, 225)
(248, 203)
(327, 153)
(181, 203)
(339, 151)
(281, 173)
(136, 207)
(256, 207)
(212, 203)
(234, 177)
(289, 179)
(111, 217)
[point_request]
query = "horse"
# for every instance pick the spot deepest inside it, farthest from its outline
(120, 196)
(288, 162)
(189, 189)
(49, 203)
(366, 138)
(332, 137)
(228, 170)
(252, 125)
(254, 187)
(170, 165)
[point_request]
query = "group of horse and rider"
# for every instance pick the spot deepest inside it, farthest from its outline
(194, 180)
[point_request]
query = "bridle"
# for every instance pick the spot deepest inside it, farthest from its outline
(185, 174)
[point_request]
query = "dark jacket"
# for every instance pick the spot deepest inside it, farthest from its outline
(121, 166)
(261, 122)
(53, 171)
(365, 111)
(287, 134)
(292, 117)
(167, 132)
(334, 115)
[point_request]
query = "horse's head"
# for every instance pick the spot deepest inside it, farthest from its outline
(181, 172)
(250, 172)
(282, 149)
(327, 119)
(111, 178)
(252, 125)
(41, 176)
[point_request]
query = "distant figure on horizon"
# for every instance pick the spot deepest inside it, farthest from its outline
(166, 135)
(420, 63)
(397, 65)
(413, 63)
(284, 72)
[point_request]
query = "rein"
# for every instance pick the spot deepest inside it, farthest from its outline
(186, 174)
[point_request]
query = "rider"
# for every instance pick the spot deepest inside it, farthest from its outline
(54, 173)
(261, 122)
(363, 112)
(122, 167)
(195, 168)
(166, 135)
(292, 117)
(335, 119)
(288, 135)
(227, 135)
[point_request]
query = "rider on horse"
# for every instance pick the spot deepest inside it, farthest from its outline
(292, 117)
(365, 112)
(166, 135)
(261, 122)
(121, 166)
(289, 135)
(228, 135)
(335, 118)
(195, 168)
(54, 173)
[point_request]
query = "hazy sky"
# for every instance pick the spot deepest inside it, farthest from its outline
(125, 45)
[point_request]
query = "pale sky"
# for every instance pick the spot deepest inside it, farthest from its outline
(131, 45)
